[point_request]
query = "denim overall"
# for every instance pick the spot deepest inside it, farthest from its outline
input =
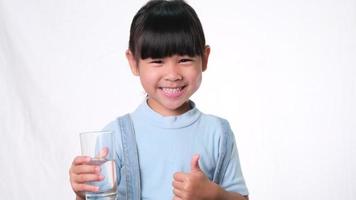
(130, 164)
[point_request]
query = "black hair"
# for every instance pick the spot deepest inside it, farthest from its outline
(165, 28)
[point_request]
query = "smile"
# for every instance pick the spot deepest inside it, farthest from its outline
(172, 91)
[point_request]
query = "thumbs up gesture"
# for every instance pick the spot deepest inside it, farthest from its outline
(194, 185)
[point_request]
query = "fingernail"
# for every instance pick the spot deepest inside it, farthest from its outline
(101, 177)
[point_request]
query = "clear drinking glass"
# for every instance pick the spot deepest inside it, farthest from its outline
(99, 146)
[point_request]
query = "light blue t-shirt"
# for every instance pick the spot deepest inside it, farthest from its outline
(166, 144)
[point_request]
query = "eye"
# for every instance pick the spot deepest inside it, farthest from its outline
(156, 61)
(185, 60)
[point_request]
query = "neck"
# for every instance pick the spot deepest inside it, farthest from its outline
(168, 112)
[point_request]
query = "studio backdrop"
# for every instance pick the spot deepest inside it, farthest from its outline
(282, 72)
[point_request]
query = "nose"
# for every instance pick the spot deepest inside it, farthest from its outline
(173, 73)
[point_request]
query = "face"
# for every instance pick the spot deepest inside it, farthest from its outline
(169, 82)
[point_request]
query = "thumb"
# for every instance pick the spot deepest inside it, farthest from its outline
(103, 153)
(195, 163)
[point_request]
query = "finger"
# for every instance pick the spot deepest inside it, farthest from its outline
(176, 198)
(85, 188)
(103, 153)
(79, 160)
(83, 178)
(195, 163)
(85, 169)
(178, 185)
(178, 193)
(180, 176)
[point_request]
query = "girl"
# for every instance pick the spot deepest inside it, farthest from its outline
(182, 153)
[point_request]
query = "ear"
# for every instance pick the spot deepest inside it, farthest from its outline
(205, 57)
(132, 62)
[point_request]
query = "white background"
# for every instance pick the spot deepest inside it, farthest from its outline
(282, 72)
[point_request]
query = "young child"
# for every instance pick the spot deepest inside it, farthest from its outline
(183, 153)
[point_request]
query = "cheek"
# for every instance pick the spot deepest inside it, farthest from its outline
(196, 79)
(148, 81)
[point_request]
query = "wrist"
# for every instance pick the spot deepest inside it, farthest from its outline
(79, 197)
(222, 194)
(216, 192)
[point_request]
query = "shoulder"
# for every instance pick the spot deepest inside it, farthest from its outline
(115, 126)
(112, 126)
(219, 127)
(215, 122)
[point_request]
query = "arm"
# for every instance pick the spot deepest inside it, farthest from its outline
(224, 195)
(231, 178)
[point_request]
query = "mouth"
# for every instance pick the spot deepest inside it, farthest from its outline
(172, 91)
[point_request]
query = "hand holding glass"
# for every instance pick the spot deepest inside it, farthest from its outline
(99, 146)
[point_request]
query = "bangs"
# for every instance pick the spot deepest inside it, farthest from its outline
(171, 28)
(154, 44)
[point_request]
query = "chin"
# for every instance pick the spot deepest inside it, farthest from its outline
(175, 106)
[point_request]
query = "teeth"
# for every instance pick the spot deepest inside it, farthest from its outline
(172, 90)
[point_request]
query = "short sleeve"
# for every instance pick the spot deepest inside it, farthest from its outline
(232, 177)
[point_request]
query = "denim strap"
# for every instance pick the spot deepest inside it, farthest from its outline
(131, 166)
